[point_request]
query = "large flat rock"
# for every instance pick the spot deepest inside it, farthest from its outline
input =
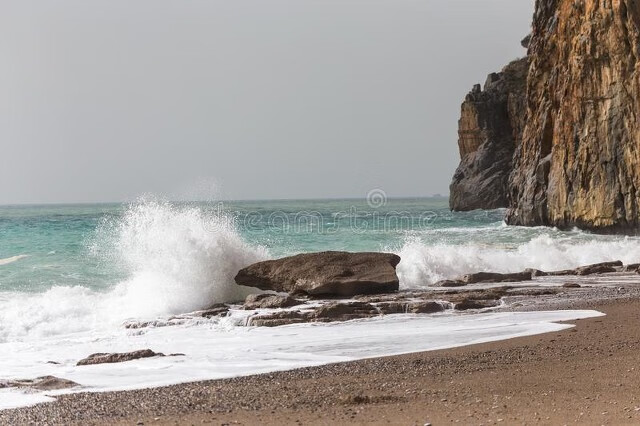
(328, 273)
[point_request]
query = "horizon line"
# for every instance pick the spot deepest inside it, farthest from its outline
(242, 200)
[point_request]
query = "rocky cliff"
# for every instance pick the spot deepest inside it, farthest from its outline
(489, 129)
(578, 160)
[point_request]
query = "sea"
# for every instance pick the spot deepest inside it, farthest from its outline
(71, 277)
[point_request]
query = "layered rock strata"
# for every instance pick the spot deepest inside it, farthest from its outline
(578, 164)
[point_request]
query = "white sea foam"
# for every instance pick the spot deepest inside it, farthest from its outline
(214, 351)
(424, 264)
(12, 259)
(177, 259)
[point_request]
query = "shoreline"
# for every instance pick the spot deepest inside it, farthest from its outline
(572, 375)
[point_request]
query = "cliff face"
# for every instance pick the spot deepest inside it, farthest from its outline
(579, 160)
(489, 129)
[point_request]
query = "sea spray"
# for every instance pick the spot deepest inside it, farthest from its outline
(178, 258)
(175, 259)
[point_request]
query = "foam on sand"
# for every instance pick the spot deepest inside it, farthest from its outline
(217, 349)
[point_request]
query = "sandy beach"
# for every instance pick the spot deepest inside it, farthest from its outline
(586, 375)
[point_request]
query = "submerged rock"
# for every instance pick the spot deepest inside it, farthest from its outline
(571, 285)
(596, 268)
(451, 283)
(486, 277)
(109, 358)
(44, 383)
(217, 310)
(475, 304)
(328, 273)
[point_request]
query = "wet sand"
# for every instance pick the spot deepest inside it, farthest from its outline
(589, 374)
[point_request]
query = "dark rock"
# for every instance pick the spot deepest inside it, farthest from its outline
(536, 272)
(269, 301)
(389, 308)
(492, 277)
(450, 283)
(427, 307)
(108, 358)
(327, 273)
(596, 268)
(217, 310)
(571, 285)
(534, 292)
(475, 304)
(276, 319)
(489, 130)
(345, 311)
(486, 277)
(45, 383)
(600, 269)
(631, 267)
(410, 307)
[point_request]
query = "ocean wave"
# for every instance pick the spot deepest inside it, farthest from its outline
(176, 259)
(424, 264)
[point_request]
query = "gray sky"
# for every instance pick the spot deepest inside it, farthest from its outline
(104, 100)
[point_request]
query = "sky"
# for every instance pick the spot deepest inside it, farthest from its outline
(105, 100)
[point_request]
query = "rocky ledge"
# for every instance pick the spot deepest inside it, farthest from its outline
(425, 302)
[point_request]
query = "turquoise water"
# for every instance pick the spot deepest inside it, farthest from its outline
(98, 246)
(59, 241)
